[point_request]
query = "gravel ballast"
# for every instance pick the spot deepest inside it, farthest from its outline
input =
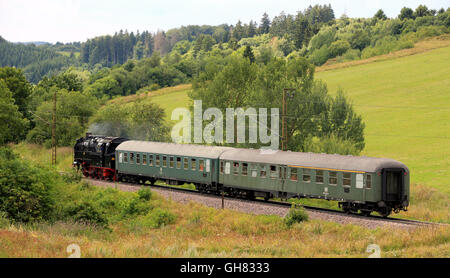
(251, 207)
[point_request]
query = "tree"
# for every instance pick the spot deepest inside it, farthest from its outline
(422, 11)
(380, 15)
(73, 110)
(238, 31)
(160, 43)
(264, 26)
(141, 119)
(248, 53)
(12, 123)
(15, 81)
(406, 13)
(139, 50)
(311, 111)
(251, 30)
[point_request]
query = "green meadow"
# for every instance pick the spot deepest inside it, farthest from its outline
(405, 104)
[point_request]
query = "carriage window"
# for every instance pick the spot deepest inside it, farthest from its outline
(201, 165)
(131, 157)
(319, 176)
(185, 163)
(227, 168)
(221, 167)
(178, 162)
(164, 161)
(306, 175)
(333, 178)
(235, 168)
(294, 174)
(347, 179)
(138, 158)
(144, 159)
(125, 157)
(193, 164)
(171, 162)
(157, 160)
(368, 181)
(150, 160)
(263, 171)
(244, 169)
(273, 171)
(120, 157)
(254, 171)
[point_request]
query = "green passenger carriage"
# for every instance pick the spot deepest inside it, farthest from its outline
(362, 184)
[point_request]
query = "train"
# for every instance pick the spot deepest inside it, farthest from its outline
(360, 184)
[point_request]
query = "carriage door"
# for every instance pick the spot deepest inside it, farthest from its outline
(282, 169)
(392, 186)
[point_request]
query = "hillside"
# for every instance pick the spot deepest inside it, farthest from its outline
(404, 101)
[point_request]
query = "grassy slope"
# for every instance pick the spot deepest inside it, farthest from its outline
(405, 103)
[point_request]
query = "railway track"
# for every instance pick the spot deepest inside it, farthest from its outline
(280, 204)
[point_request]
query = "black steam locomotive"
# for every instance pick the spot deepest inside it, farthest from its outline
(95, 156)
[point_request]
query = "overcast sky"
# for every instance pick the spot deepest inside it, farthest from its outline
(78, 20)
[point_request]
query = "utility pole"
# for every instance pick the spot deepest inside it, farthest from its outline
(54, 130)
(284, 139)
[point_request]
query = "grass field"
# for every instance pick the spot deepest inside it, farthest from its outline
(405, 103)
(199, 231)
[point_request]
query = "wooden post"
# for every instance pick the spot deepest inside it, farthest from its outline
(284, 135)
(54, 130)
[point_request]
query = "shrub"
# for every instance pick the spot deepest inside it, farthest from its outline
(331, 144)
(87, 213)
(4, 222)
(160, 217)
(339, 47)
(295, 215)
(320, 56)
(26, 192)
(350, 55)
(72, 176)
(135, 206)
(145, 194)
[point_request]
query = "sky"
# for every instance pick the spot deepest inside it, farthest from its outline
(79, 20)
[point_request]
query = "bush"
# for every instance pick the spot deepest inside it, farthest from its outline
(332, 145)
(135, 206)
(295, 215)
(339, 47)
(72, 176)
(86, 213)
(4, 222)
(26, 192)
(320, 56)
(145, 194)
(350, 55)
(160, 217)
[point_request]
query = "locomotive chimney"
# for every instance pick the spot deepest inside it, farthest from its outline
(88, 134)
